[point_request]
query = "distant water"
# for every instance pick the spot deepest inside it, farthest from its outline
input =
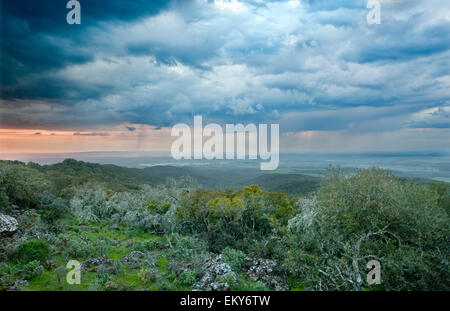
(420, 164)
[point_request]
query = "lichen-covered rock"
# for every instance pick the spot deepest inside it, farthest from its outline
(8, 224)
(259, 269)
(219, 286)
(96, 262)
(133, 259)
(212, 276)
(17, 285)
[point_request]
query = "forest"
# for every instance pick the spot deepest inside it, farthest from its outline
(132, 230)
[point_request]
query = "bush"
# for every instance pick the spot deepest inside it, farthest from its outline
(187, 278)
(54, 211)
(144, 246)
(32, 250)
(370, 215)
(88, 203)
(188, 249)
(234, 258)
(7, 272)
(149, 275)
(230, 278)
(245, 285)
(20, 185)
(78, 249)
(228, 218)
(31, 270)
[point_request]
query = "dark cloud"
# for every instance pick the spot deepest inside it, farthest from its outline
(36, 38)
(312, 65)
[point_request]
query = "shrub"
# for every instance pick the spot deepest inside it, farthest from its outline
(187, 278)
(230, 278)
(88, 203)
(149, 275)
(233, 257)
(187, 248)
(114, 268)
(371, 215)
(245, 285)
(32, 250)
(165, 285)
(79, 248)
(144, 246)
(227, 218)
(53, 211)
(20, 185)
(31, 270)
(7, 272)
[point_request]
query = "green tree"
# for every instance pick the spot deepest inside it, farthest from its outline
(372, 215)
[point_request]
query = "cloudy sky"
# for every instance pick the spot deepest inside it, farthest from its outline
(133, 69)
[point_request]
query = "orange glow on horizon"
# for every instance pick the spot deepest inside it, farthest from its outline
(144, 138)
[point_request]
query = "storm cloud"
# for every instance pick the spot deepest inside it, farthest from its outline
(309, 65)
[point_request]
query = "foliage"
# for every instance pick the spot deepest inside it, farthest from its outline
(149, 275)
(246, 285)
(31, 270)
(33, 250)
(53, 210)
(187, 278)
(226, 218)
(20, 186)
(370, 215)
(170, 229)
(78, 248)
(233, 257)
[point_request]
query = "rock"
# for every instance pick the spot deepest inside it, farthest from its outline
(259, 269)
(213, 275)
(18, 285)
(95, 262)
(133, 259)
(217, 266)
(8, 224)
(110, 285)
(217, 286)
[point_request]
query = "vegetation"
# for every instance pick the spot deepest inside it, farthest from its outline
(131, 231)
(32, 250)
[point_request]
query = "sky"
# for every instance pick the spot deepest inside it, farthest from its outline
(132, 69)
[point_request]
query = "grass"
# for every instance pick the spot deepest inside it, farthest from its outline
(48, 281)
(119, 243)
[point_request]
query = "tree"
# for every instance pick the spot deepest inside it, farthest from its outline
(372, 215)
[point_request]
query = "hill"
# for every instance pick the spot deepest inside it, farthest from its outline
(291, 183)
